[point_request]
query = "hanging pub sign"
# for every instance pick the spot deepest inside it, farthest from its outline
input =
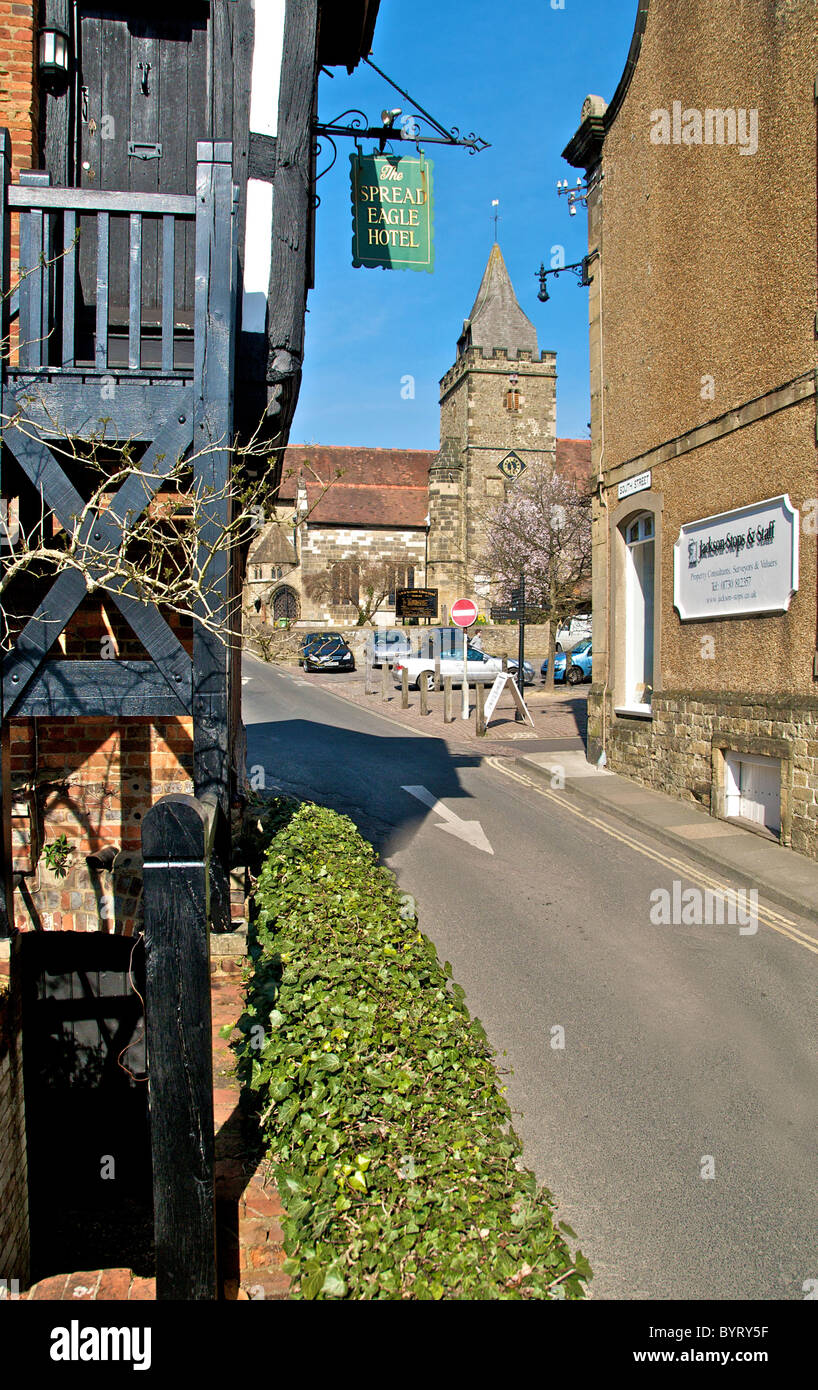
(416, 603)
(392, 212)
(738, 563)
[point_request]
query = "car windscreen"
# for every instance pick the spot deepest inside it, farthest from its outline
(326, 643)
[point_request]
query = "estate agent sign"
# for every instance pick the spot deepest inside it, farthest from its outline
(738, 563)
(392, 212)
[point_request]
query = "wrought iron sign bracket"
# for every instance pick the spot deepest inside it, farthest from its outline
(396, 124)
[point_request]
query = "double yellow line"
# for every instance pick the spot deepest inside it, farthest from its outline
(776, 921)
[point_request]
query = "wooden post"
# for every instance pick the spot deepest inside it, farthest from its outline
(177, 843)
(6, 895)
(424, 693)
(214, 354)
(214, 341)
(385, 680)
(437, 666)
(369, 678)
(404, 689)
(480, 692)
(447, 700)
(505, 663)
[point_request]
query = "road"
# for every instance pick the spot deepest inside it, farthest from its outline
(688, 1050)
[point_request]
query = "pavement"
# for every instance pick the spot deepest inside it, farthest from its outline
(560, 716)
(752, 860)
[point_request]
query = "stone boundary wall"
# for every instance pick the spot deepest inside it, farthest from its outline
(681, 750)
(282, 645)
(14, 1234)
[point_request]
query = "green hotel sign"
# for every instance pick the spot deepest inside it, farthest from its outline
(392, 212)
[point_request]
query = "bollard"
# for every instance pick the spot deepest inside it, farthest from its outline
(437, 668)
(384, 681)
(369, 679)
(505, 663)
(424, 694)
(404, 689)
(480, 692)
(447, 700)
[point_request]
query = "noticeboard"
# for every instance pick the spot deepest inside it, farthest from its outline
(416, 603)
(392, 212)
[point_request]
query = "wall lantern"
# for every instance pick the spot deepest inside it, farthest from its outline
(53, 53)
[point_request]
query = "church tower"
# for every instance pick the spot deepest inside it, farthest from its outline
(498, 415)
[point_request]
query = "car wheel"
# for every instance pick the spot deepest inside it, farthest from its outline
(575, 676)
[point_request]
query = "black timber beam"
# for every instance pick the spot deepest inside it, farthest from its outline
(96, 405)
(113, 688)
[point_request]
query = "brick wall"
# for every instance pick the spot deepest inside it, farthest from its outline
(14, 1245)
(91, 780)
(18, 96)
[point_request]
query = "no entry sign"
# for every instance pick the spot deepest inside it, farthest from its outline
(464, 612)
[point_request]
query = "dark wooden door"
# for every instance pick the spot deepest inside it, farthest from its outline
(86, 1095)
(285, 605)
(143, 100)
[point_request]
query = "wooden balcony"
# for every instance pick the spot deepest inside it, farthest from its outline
(121, 325)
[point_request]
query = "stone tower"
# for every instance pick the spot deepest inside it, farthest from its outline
(498, 399)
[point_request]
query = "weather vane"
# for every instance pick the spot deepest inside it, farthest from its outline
(495, 203)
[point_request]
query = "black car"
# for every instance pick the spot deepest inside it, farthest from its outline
(325, 651)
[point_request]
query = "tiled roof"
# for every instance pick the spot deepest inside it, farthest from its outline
(274, 547)
(574, 459)
(383, 487)
(376, 487)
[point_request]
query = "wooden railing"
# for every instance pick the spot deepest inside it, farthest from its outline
(109, 280)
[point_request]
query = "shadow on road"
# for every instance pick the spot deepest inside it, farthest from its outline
(359, 774)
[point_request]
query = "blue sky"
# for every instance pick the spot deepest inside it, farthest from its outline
(517, 75)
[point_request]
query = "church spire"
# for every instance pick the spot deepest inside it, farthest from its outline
(496, 319)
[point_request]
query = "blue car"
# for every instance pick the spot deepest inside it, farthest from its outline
(574, 666)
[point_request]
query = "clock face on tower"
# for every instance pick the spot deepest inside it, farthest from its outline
(511, 467)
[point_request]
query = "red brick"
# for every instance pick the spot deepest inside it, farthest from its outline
(53, 1288)
(143, 1290)
(114, 1285)
(82, 1287)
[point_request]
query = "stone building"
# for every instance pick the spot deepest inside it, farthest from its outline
(414, 509)
(701, 189)
(498, 413)
(340, 508)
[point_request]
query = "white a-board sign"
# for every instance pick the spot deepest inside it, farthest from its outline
(738, 563)
(506, 681)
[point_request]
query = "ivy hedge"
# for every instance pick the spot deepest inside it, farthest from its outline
(392, 1144)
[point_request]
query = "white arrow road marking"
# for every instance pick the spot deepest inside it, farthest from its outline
(469, 830)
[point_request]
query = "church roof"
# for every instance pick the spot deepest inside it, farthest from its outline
(496, 319)
(274, 548)
(376, 487)
(574, 460)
